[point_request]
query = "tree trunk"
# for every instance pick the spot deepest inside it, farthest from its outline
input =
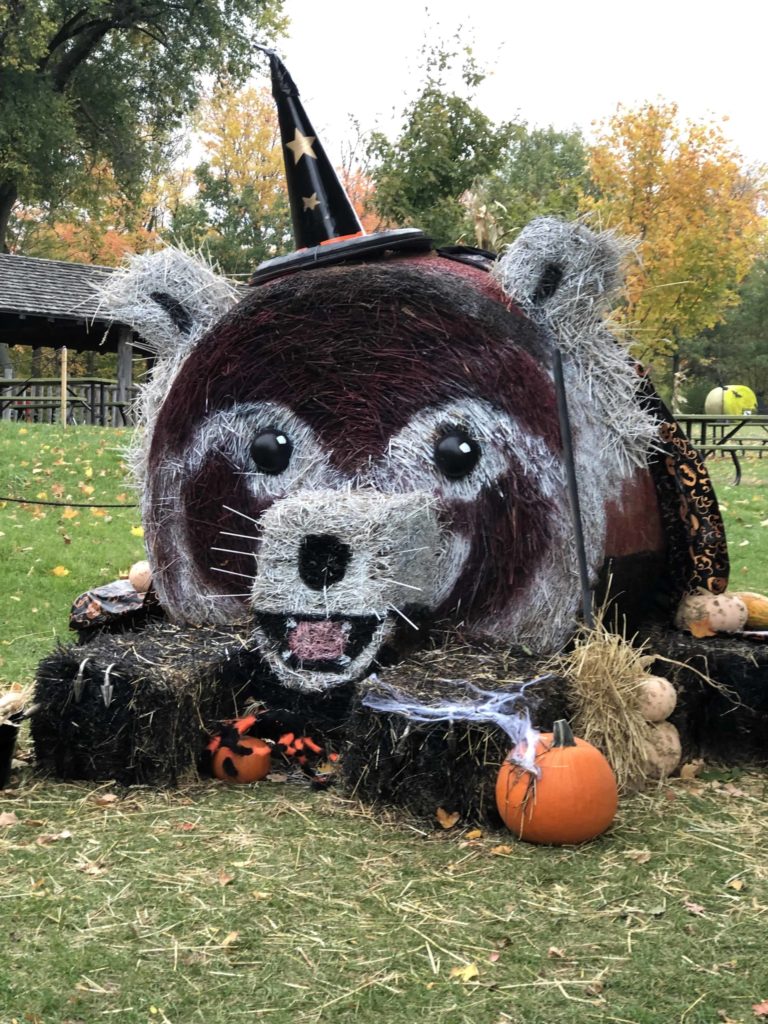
(8, 196)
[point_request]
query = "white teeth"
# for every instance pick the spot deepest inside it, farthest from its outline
(291, 623)
(346, 627)
(344, 659)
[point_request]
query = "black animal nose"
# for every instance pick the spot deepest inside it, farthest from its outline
(323, 560)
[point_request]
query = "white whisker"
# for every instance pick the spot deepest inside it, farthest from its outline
(408, 586)
(245, 575)
(403, 616)
(232, 551)
(242, 536)
(228, 595)
(243, 514)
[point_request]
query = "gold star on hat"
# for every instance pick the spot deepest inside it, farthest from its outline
(310, 202)
(301, 146)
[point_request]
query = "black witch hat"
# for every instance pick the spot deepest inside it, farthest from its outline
(325, 226)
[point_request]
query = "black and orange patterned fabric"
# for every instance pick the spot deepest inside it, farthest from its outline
(111, 606)
(698, 554)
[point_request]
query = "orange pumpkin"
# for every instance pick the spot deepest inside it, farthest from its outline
(247, 760)
(573, 800)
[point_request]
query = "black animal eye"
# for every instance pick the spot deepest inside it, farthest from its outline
(271, 451)
(456, 453)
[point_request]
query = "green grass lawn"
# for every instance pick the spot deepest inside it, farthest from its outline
(49, 554)
(273, 903)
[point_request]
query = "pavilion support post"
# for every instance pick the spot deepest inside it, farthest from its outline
(64, 385)
(124, 372)
(7, 374)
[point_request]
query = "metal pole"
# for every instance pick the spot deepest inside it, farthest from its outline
(573, 490)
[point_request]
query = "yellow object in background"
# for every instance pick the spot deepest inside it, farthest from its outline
(731, 400)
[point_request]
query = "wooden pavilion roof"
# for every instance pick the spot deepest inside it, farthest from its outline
(50, 303)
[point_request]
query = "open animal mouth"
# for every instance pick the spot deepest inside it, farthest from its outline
(318, 643)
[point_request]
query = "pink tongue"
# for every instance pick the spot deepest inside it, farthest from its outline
(313, 641)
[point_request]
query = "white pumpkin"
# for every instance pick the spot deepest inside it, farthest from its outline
(693, 608)
(728, 614)
(657, 698)
(140, 576)
(663, 750)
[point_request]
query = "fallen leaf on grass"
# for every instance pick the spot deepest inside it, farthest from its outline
(475, 833)
(229, 938)
(70, 513)
(7, 818)
(60, 570)
(638, 856)
(223, 878)
(694, 908)
(735, 883)
(555, 953)
(186, 826)
(494, 956)
(730, 790)
(761, 1009)
(690, 770)
(447, 819)
(53, 837)
(466, 973)
(88, 867)
(105, 799)
(502, 851)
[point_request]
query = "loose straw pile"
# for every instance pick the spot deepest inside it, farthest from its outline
(603, 672)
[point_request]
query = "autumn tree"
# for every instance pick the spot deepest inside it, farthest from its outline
(107, 81)
(104, 231)
(542, 172)
(736, 350)
(239, 213)
(445, 144)
(685, 195)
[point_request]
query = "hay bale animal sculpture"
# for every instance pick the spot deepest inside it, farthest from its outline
(365, 447)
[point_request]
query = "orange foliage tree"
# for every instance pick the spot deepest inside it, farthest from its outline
(238, 208)
(105, 230)
(695, 210)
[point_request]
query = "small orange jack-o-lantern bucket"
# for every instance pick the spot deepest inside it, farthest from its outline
(248, 760)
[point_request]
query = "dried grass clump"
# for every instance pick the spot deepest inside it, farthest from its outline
(603, 671)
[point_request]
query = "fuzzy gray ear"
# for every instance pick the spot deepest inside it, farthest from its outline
(563, 274)
(169, 298)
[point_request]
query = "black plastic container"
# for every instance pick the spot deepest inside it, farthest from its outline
(9, 732)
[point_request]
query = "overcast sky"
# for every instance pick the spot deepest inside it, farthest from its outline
(564, 64)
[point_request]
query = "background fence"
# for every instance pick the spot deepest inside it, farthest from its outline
(95, 400)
